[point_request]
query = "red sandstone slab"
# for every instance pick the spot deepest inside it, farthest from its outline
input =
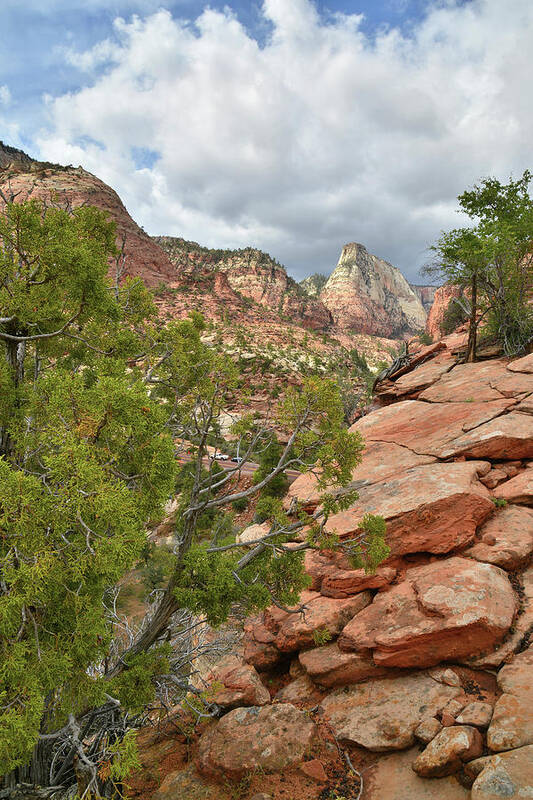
(445, 611)
(433, 508)
(427, 428)
(508, 437)
(518, 489)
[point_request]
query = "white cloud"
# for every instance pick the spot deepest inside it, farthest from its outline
(5, 95)
(319, 137)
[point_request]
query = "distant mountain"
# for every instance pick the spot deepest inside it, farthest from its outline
(426, 294)
(368, 295)
(252, 274)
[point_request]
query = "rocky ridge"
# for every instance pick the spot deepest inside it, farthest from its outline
(366, 293)
(428, 659)
(255, 313)
(426, 295)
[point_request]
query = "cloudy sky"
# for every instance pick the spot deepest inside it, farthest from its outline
(291, 125)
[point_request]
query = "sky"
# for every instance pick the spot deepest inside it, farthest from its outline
(294, 126)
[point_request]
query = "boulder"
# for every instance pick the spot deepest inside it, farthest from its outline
(428, 729)
(506, 775)
(314, 769)
(323, 617)
(237, 684)
(380, 461)
(301, 691)
(345, 583)
(328, 666)
(259, 648)
(524, 364)
(518, 489)
(445, 754)
(477, 713)
(446, 610)
(393, 778)
(428, 428)
(253, 532)
(505, 539)
(493, 478)
(507, 437)
(522, 625)
(512, 721)
(526, 405)
(419, 378)
(383, 714)
(433, 508)
(184, 783)
(247, 739)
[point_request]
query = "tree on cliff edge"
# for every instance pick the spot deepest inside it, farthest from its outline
(97, 402)
(493, 261)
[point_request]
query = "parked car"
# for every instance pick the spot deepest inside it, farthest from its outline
(222, 457)
(237, 459)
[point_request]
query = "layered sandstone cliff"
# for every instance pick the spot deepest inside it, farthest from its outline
(367, 294)
(253, 274)
(426, 294)
(441, 301)
(73, 187)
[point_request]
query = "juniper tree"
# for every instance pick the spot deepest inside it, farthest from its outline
(100, 403)
(493, 260)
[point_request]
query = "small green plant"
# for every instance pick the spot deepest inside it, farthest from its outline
(321, 636)
(237, 791)
(425, 338)
(240, 505)
(499, 502)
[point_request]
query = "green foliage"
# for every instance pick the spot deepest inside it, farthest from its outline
(85, 460)
(240, 505)
(125, 758)
(91, 410)
(321, 636)
(134, 686)
(454, 316)
(269, 456)
(424, 338)
(493, 259)
(499, 502)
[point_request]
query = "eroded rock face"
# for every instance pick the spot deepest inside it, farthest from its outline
(323, 616)
(522, 625)
(506, 775)
(477, 383)
(143, 256)
(433, 428)
(383, 714)
(509, 436)
(441, 301)
(518, 489)
(240, 684)
(445, 611)
(432, 508)
(381, 460)
(445, 754)
(366, 294)
(505, 539)
(329, 666)
(512, 722)
(248, 739)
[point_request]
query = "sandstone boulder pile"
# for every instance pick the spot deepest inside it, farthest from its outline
(433, 648)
